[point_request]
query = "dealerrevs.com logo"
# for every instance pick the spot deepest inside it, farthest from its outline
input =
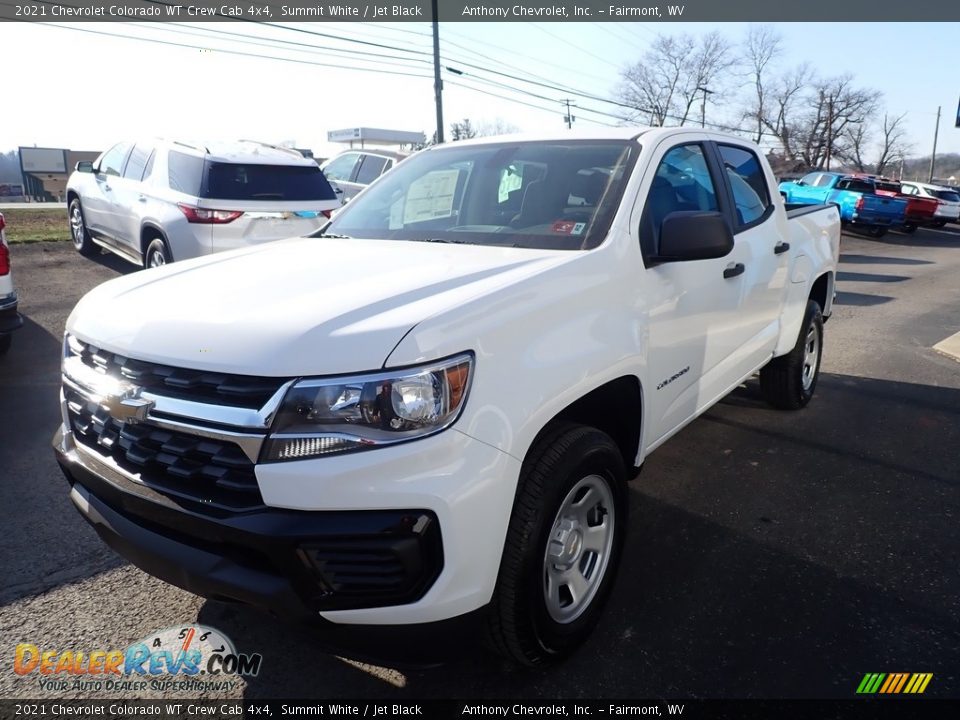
(187, 658)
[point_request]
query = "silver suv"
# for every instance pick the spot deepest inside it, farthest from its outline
(163, 200)
(351, 171)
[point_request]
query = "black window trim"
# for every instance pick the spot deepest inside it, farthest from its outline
(728, 189)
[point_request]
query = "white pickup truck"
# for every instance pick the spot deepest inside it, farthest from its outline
(427, 413)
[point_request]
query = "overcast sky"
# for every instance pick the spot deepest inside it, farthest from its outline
(93, 84)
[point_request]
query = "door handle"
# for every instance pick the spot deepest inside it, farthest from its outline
(143, 198)
(734, 271)
(781, 248)
(106, 187)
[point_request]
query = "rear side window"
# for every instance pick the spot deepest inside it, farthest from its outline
(240, 181)
(856, 186)
(137, 162)
(185, 172)
(371, 167)
(747, 181)
(947, 195)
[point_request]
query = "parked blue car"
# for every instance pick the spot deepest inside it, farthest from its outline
(855, 197)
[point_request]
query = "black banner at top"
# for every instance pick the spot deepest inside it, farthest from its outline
(649, 11)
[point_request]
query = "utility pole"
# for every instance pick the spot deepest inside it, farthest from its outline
(568, 118)
(933, 155)
(703, 105)
(437, 82)
(829, 130)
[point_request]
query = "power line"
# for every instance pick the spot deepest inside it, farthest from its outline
(514, 100)
(573, 45)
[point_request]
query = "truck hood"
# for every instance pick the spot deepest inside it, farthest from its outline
(304, 306)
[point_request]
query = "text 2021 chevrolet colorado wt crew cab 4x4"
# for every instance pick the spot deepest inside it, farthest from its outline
(427, 413)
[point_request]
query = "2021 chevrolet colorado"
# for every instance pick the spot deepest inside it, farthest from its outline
(428, 412)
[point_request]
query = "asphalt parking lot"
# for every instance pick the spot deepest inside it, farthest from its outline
(770, 554)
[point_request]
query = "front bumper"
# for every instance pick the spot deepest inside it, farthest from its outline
(330, 543)
(10, 319)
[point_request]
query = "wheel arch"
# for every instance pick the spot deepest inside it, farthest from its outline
(150, 231)
(615, 407)
(821, 292)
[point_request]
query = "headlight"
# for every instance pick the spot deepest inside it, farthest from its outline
(325, 416)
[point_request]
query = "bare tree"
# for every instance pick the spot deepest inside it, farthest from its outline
(781, 115)
(894, 145)
(496, 127)
(762, 46)
(463, 130)
(671, 76)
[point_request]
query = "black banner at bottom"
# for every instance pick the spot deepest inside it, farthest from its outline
(179, 709)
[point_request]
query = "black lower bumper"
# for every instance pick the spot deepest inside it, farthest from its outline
(292, 564)
(10, 319)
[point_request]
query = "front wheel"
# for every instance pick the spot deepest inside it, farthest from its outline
(78, 230)
(909, 228)
(787, 382)
(938, 223)
(562, 547)
(5, 341)
(877, 232)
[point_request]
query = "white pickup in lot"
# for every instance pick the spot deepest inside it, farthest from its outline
(428, 414)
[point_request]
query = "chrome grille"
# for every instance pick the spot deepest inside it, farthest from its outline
(183, 383)
(174, 463)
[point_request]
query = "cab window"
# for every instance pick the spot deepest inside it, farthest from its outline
(112, 161)
(747, 182)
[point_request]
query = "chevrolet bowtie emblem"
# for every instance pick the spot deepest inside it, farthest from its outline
(128, 407)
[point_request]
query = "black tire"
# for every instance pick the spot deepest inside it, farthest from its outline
(788, 382)
(909, 228)
(564, 472)
(5, 341)
(157, 254)
(938, 223)
(82, 241)
(877, 232)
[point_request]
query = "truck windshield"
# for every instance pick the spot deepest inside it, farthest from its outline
(552, 195)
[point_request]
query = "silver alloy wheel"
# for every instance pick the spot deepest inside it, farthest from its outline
(156, 259)
(76, 225)
(811, 356)
(578, 549)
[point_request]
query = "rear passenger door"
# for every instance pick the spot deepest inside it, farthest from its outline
(758, 245)
(129, 199)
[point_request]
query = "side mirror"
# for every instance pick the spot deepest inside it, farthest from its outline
(799, 182)
(694, 235)
(84, 166)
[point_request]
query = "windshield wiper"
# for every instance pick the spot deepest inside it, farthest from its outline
(452, 241)
(332, 235)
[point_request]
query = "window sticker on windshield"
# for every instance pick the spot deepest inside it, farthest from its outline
(578, 229)
(563, 226)
(431, 196)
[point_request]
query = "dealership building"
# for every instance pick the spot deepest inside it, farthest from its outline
(44, 171)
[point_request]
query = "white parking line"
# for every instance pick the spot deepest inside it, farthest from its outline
(950, 346)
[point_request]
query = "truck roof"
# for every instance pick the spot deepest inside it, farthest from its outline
(620, 133)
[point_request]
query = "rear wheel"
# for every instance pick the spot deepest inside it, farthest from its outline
(5, 341)
(562, 548)
(78, 230)
(877, 232)
(788, 382)
(938, 223)
(909, 228)
(157, 255)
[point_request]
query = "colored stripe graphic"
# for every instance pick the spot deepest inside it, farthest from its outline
(894, 683)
